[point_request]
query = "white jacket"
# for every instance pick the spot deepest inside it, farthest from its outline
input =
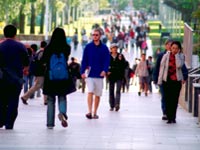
(164, 66)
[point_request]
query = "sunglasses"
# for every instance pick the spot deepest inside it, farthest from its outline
(95, 34)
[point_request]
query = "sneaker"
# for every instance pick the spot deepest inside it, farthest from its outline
(95, 116)
(63, 119)
(24, 101)
(89, 116)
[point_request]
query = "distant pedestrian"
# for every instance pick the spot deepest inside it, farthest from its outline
(84, 41)
(150, 67)
(115, 77)
(74, 68)
(75, 40)
(126, 78)
(55, 82)
(13, 60)
(95, 61)
(143, 74)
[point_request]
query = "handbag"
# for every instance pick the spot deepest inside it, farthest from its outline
(71, 86)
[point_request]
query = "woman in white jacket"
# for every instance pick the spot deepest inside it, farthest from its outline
(171, 76)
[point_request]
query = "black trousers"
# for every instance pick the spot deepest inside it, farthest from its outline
(171, 95)
(9, 101)
(114, 93)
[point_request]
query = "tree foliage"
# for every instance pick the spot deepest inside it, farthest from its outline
(147, 5)
(26, 12)
(186, 7)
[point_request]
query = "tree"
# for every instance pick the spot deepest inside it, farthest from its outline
(33, 16)
(186, 7)
(147, 5)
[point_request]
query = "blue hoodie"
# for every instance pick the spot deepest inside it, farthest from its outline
(96, 58)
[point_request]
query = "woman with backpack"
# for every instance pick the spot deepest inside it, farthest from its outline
(56, 83)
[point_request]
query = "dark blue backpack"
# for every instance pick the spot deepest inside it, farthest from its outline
(58, 68)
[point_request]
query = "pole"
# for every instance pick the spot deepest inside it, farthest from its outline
(47, 20)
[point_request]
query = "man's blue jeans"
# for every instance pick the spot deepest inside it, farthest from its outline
(62, 106)
(28, 82)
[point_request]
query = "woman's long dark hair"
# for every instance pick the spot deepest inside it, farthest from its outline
(58, 41)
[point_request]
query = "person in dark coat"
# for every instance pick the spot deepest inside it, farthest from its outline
(14, 61)
(54, 88)
(115, 77)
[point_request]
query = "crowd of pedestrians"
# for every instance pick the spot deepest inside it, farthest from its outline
(50, 70)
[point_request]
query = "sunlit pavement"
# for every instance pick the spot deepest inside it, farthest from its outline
(136, 126)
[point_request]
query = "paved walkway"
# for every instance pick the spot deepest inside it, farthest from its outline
(137, 126)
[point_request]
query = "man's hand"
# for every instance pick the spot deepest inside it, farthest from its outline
(83, 76)
(103, 74)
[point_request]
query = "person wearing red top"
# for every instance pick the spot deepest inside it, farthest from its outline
(171, 76)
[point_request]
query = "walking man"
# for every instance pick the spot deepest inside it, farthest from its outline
(39, 70)
(13, 59)
(95, 61)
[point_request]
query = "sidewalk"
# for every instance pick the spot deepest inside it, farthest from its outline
(137, 126)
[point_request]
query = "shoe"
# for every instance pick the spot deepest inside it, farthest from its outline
(117, 107)
(95, 116)
(139, 93)
(50, 127)
(32, 96)
(169, 122)
(164, 117)
(173, 121)
(9, 127)
(146, 94)
(63, 119)
(89, 116)
(111, 109)
(45, 103)
(1, 125)
(24, 101)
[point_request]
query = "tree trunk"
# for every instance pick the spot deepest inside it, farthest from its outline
(42, 19)
(21, 20)
(32, 29)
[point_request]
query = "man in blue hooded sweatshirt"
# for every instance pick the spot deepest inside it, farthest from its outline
(94, 66)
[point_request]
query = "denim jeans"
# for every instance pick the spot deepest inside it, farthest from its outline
(114, 98)
(62, 106)
(28, 82)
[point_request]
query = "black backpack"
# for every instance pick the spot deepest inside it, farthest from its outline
(36, 67)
